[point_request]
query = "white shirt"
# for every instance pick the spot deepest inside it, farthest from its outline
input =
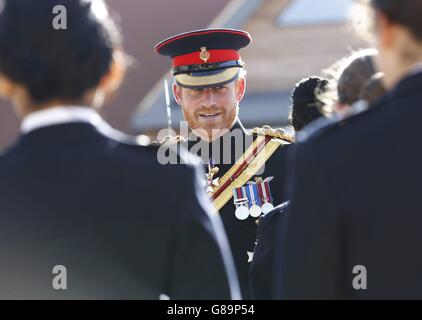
(59, 115)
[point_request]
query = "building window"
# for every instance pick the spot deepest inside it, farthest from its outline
(314, 12)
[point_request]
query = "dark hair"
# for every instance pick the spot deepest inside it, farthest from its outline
(306, 104)
(407, 13)
(373, 89)
(55, 64)
(355, 73)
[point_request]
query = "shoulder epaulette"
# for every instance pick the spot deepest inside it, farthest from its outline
(274, 133)
(169, 140)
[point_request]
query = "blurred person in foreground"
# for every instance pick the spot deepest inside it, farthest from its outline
(85, 211)
(353, 225)
(306, 108)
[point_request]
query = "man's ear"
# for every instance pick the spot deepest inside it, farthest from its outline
(386, 30)
(7, 87)
(240, 86)
(177, 93)
(112, 80)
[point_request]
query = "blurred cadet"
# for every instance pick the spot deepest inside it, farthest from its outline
(354, 72)
(306, 104)
(87, 212)
(353, 224)
(306, 108)
(262, 265)
(351, 90)
(373, 90)
(245, 169)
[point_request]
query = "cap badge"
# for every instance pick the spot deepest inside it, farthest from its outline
(204, 55)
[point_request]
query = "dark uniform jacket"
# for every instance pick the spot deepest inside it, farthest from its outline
(353, 228)
(262, 265)
(123, 226)
(242, 233)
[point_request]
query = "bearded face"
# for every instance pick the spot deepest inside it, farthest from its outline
(212, 110)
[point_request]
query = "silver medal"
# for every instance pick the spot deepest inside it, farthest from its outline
(255, 211)
(242, 213)
(267, 207)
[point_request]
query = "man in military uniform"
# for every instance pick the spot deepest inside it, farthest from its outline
(246, 170)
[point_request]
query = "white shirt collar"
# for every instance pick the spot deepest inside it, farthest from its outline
(59, 115)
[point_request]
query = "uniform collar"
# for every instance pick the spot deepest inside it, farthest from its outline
(237, 125)
(416, 68)
(410, 84)
(59, 115)
(217, 149)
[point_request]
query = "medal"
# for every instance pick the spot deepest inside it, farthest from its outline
(265, 194)
(242, 212)
(267, 207)
(255, 211)
(241, 203)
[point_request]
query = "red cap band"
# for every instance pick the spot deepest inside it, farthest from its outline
(214, 57)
